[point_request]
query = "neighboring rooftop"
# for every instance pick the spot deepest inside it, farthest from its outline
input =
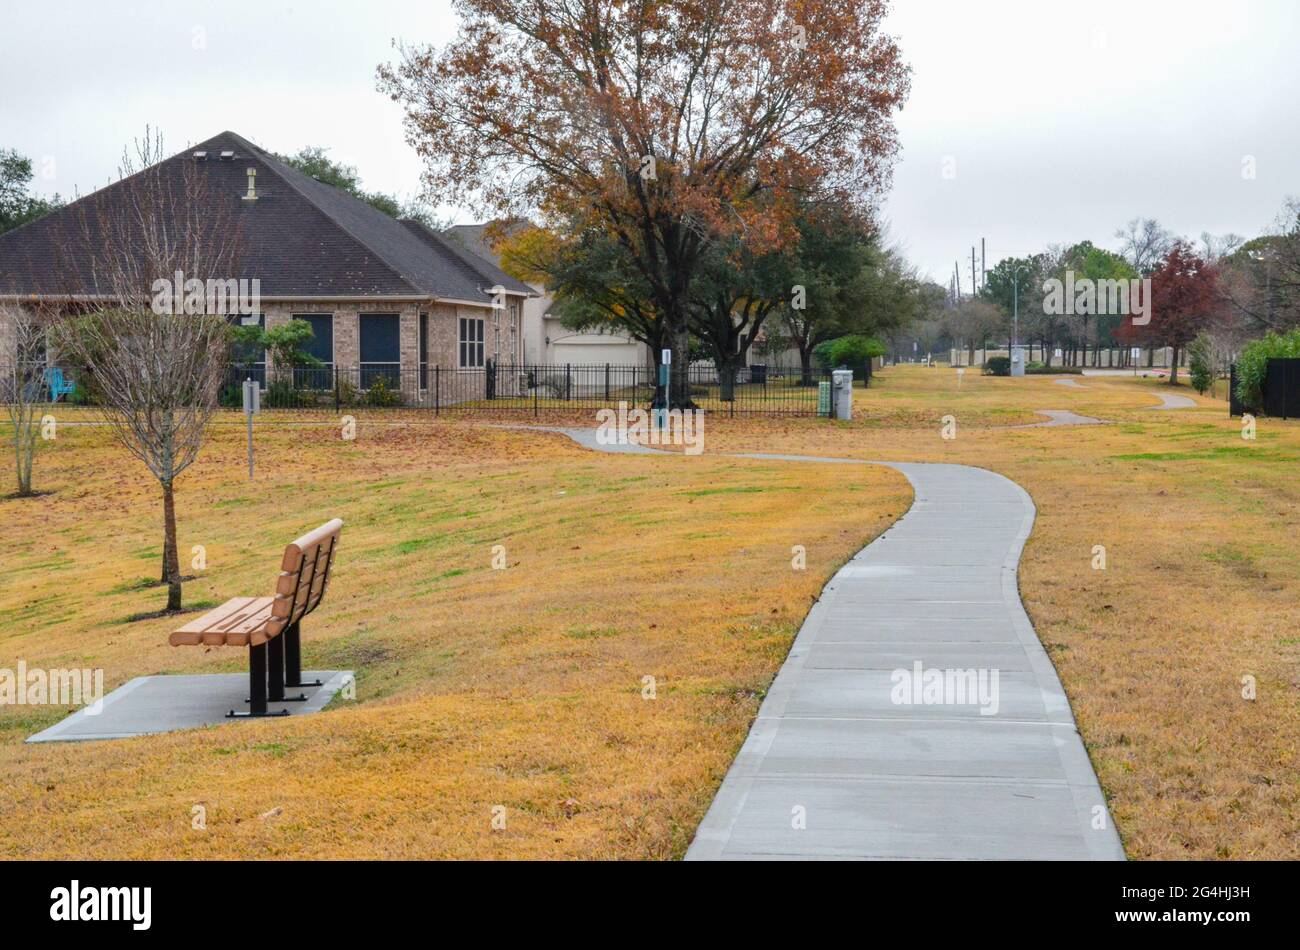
(478, 239)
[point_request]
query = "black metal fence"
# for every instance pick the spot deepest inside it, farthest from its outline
(1280, 392)
(1282, 388)
(526, 388)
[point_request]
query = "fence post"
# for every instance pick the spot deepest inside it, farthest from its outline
(568, 382)
(336, 390)
(606, 382)
(437, 386)
(536, 380)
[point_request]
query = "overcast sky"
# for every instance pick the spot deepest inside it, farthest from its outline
(1031, 121)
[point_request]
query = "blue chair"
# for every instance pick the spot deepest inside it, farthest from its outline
(57, 384)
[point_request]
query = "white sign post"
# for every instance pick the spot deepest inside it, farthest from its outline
(252, 406)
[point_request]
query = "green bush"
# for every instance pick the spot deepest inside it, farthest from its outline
(347, 392)
(280, 395)
(381, 395)
(1038, 369)
(232, 397)
(854, 351)
(997, 366)
(80, 395)
(1253, 363)
(1200, 363)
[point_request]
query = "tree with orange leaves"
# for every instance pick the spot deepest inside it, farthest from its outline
(659, 123)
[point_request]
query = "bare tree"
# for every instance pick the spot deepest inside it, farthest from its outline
(1144, 243)
(1262, 276)
(156, 370)
(1216, 247)
(23, 384)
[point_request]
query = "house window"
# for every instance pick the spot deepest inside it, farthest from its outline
(248, 360)
(424, 351)
(321, 346)
(381, 349)
(471, 343)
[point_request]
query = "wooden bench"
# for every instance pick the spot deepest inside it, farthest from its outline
(268, 626)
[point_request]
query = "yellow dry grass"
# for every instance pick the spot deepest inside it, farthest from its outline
(477, 688)
(523, 687)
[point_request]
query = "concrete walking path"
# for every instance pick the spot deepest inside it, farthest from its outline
(1174, 401)
(1061, 417)
(844, 761)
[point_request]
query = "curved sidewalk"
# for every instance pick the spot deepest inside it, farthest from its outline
(836, 767)
(1174, 401)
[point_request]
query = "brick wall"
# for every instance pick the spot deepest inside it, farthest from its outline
(443, 333)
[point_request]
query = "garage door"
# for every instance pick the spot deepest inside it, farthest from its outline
(619, 354)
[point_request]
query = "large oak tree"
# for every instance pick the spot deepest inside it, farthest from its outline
(657, 122)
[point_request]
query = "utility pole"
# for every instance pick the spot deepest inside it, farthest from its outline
(984, 264)
(974, 291)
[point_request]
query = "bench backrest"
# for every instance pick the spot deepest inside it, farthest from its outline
(304, 575)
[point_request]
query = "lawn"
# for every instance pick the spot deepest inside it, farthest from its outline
(523, 688)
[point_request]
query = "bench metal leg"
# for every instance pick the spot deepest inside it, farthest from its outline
(293, 658)
(275, 669)
(275, 673)
(256, 686)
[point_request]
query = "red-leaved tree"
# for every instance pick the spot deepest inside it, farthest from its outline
(1184, 300)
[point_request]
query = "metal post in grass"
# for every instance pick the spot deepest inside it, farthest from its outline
(606, 382)
(659, 407)
(336, 390)
(437, 388)
(252, 406)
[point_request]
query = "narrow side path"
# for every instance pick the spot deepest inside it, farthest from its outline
(1174, 401)
(836, 766)
(1061, 417)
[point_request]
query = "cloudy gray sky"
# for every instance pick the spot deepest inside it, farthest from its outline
(1031, 121)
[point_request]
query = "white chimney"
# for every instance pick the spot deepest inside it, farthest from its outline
(252, 185)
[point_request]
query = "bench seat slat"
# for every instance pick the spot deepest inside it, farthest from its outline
(237, 622)
(216, 615)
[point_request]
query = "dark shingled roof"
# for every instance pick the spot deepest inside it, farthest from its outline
(475, 237)
(301, 238)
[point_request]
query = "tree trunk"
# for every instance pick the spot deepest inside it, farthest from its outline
(1173, 368)
(727, 379)
(680, 396)
(171, 560)
(805, 366)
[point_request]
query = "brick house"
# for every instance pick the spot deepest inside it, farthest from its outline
(381, 295)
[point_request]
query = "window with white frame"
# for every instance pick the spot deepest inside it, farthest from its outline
(471, 343)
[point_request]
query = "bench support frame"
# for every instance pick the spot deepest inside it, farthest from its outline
(257, 687)
(293, 658)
